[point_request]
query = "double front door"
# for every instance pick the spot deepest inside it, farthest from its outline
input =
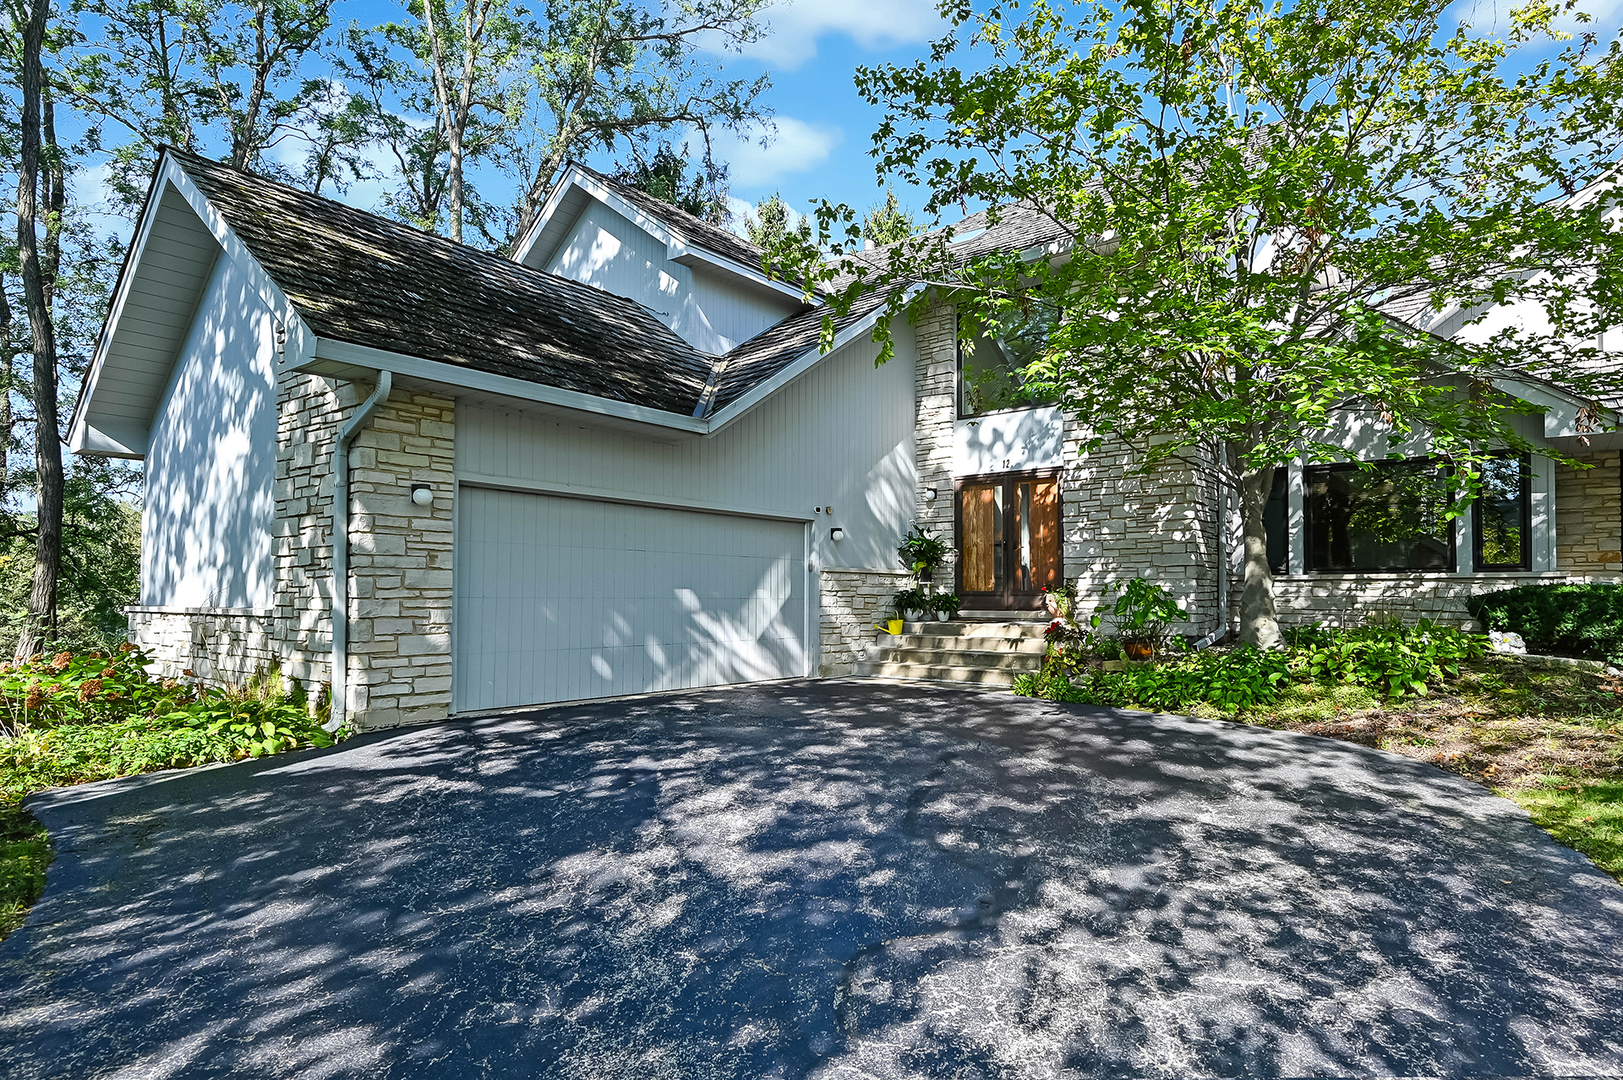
(1008, 540)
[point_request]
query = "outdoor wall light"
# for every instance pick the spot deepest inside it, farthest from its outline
(836, 535)
(422, 494)
(929, 494)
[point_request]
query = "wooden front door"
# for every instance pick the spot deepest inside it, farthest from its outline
(1008, 540)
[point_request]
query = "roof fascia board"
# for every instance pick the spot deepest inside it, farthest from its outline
(300, 339)
(526, 244)
(798, 367)
(79, 438)
(1562, 411)
(364, 356)
(677, 247)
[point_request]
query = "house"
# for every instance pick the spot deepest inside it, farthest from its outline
(450, 482)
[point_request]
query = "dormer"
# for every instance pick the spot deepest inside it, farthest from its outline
(702, 281)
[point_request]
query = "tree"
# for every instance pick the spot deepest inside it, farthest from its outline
(463, 50)
(40, 171)
(1240, 193)
(664, 176)
(184, 72)
(768, 227)
(615, 74)
(887, 223)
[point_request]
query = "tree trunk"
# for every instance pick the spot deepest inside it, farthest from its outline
(36, 292)
(8, 359)
(1259, 620)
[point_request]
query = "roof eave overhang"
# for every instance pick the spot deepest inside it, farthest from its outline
(678, 248)
(87, 437)
(346, 360)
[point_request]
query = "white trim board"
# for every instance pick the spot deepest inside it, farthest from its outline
(591, 494)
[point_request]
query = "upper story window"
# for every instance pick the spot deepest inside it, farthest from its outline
(991, 369)
(1502, 516)
(1393, 516)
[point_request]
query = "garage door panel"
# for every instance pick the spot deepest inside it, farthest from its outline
(559, 599)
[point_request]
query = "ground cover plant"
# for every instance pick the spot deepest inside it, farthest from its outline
(67, 718)
(1549, 738)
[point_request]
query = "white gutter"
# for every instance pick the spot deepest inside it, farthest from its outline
(339, 706)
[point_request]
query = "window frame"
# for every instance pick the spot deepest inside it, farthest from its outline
(1525, 498)
(1308, 471)
(959, 412)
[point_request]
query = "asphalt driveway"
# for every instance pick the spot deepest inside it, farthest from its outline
(831, 879)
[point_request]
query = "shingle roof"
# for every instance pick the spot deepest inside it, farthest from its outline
(754, 361)
(370, 281)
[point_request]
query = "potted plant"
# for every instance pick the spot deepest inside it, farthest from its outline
(921, 552)
(1142, 612)
(945, 606)
(911, 603)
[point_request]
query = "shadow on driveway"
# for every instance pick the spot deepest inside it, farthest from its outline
(820, 879)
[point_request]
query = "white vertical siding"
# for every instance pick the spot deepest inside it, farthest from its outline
(211, 466)
(840, 436)
(606, 250)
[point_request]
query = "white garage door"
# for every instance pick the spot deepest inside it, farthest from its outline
(559, 599)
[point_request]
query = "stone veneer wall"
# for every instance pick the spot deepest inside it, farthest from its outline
(1589, 515)
(400, 560)
(221, 645)
(935, 410)
(852, 602)
(1351, 599)
(1119, 524)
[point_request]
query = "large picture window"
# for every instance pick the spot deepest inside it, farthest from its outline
(1392, 516)
(1502, 515)
(991, 368)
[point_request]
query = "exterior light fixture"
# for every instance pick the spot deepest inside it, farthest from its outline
(422, 494)
(929, 494)
(836, 535)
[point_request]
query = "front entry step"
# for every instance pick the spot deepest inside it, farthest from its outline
(967, 651)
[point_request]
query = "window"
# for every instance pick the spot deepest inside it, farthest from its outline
(1392, 516)
(1502, 514)
(992, 369)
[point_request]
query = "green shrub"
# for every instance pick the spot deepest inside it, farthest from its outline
(1395, 659)
(93, 687)
(1559, 620)
(1232, 681)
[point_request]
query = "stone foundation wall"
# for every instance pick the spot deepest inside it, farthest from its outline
(1589, 516)
(852, 602)
(1351, 599)
(218, 645)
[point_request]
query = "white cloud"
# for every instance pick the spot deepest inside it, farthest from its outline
(1494, 16)
(873, 24)
(796, 147)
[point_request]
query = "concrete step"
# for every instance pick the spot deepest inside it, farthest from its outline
(935, 673)
(1038, 616)
(981, 660)
(1025, 643)
(964, 628)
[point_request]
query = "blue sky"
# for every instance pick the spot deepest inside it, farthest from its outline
(823, 129)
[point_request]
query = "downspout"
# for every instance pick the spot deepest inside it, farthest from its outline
(339, 702)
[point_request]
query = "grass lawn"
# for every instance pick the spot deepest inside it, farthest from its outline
(1551, 739)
